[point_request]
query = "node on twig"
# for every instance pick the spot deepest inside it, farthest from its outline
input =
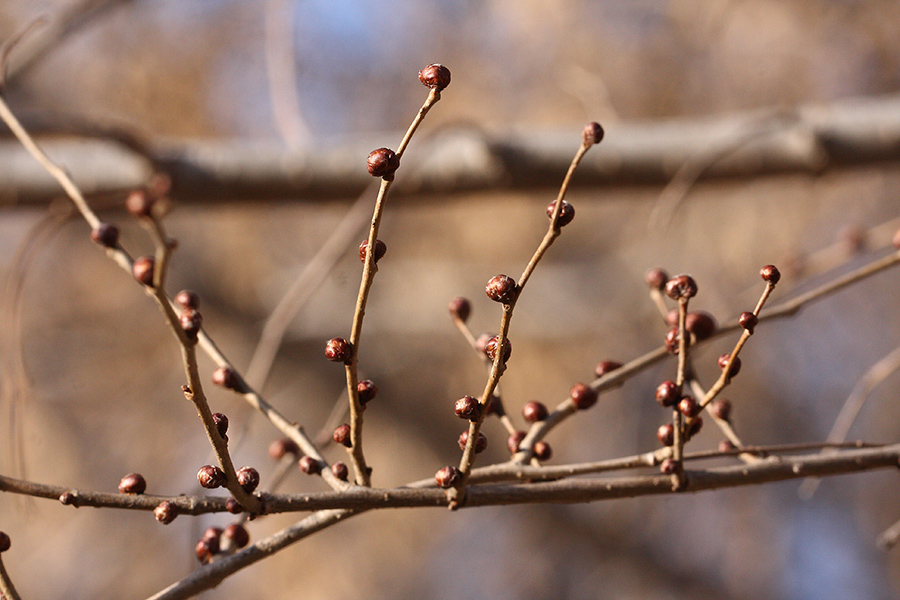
(165, 512)
(106, 235)
(583, 397)
(480, 441)
(211, 477)
(447, 477)
(383, 162)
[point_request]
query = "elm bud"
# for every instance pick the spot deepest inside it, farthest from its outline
(460, 308)
(133, 483)
(592, 133)
(338, 350)
(165, 512)
(341, 435)
(382, 163)
(566, 213)
(210, 477)
(142, 270)
(681, 287)
(582, 396)
(435, 76)
(447, 477)
(106, 235)
(501, 288)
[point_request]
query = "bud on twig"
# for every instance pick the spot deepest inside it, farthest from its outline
(435, 76)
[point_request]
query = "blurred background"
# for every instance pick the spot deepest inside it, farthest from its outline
(91, 377)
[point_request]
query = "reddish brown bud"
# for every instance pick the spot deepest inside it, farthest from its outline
(133, 483)
(309, 465)
(279, 448)
(382, 163)
(367, 391)
(592, 133)
(673, 339)
(460, 308)
(701, 324)
(142, 270)
(248, 478)
(5, 542)
(689, 406)
(187, 299)
(721, 409)
(513, 441)
(140, 203)
(693, 427)
(106, 235)
(341, 435)
(68, 499)
(210, 477)
(534, 412)
(542, 450)
(770, 273)
(493, 344)
(435, 76)
(338, 350)
(668, 393)
(237, 534)
(467, 407)
(447, 477)
(501, 288)
(340, 471)
(681, 287)
(748, 321)
(566, 213)
(668, 466)
(666, 434)
(480, 443)
(204, 551)
(191, 321)
(221, 422)
(380, 249)
(165, 512)
(225, 377)
(735, 366)
(607, 366)
(582, 396)
(233, 506)
(656, 279)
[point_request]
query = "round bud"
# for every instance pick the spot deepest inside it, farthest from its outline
(225, 377)
(165, 512)
(668, 466)
(673, 339)
(106, 235)
(248, 478)
(693, 427)
(435, 76)
(607, 366)
(380, 249)
(656, 279)
(142, 270)
(666, 434)
(382, 163)
(542, 450)
(534, 412)
(204, 551)
(513, 441)
(748, 321)
(190, 321)
(309, 465)
(210, 477)
(727, 446)
(367, 391)
(279, 448)
(501, 288)
(467, 407)
(689, 407)
(187, 299)
(341, 435)
(68, 499)
(480, 443)
(493, 344)
(460, 308)
(447, 477)
(668, 393)
(139, 203)
(238, 535)
(133, 483)
(681, 287)
(701, 324)
(233, 506)
(721, 409)
(770, 273)
(5, 542)
(592, 133)
(582, 396)
(566, 213)
(340, 471)
(221, 422)
(735, 366)
(339, 350)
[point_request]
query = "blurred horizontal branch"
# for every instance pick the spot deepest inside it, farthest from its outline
(810, 138)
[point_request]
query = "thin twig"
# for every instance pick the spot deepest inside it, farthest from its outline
(7, 589)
